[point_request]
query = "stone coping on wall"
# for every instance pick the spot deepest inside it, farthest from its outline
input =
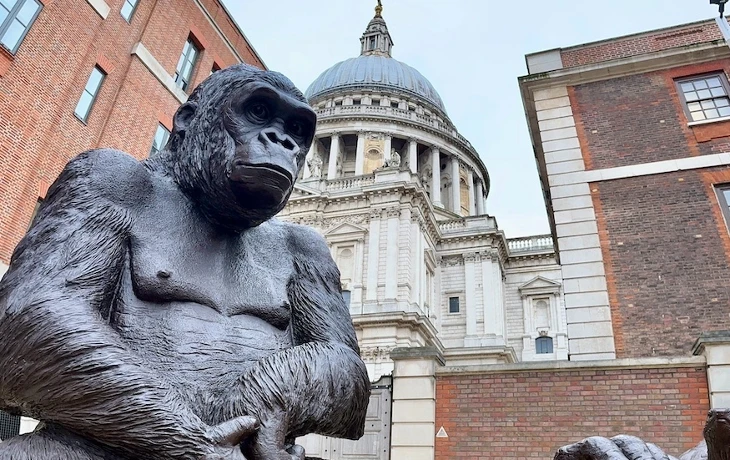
(562, 366)
(715, 337)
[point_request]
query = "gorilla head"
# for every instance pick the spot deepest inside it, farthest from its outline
(238, 143)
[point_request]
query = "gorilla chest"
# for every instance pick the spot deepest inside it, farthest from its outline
(244, 274)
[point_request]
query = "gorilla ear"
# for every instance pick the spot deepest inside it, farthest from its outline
(183, 116)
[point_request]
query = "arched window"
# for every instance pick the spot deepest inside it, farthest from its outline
(543, 345)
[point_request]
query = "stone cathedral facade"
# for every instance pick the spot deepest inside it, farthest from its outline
(400, 197)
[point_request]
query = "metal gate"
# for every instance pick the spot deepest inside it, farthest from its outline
(9, 425)
(374, 445)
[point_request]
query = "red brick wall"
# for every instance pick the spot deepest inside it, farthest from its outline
(634, 45)
(669, 258)
(525, 415)
(41, 84)
(639, 119)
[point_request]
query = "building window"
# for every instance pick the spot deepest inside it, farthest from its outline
(128, 9)
(356, 102)
(394, 105)
(453, 305)
(374, 101)
(372, 43)
(215, 68)
(705, 97)
(88, 96)
(162, 135)
(723, 196)
(186, 64)
(544, 345)
(16, 17)
(9, 425)
(346, 297)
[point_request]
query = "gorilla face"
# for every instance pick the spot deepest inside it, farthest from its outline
(272, 133)
(237, 145)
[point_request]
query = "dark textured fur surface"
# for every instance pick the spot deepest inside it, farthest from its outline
(67, 359)
(715, 446)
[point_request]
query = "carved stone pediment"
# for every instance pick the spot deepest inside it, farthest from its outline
(539, 285)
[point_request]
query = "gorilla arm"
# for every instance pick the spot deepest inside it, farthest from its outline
(62, 361)
(321, 385)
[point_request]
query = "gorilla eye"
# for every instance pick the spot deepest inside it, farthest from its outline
(297, 128)
(259, 111)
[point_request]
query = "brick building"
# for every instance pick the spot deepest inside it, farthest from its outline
(631, 137)
(76, 75)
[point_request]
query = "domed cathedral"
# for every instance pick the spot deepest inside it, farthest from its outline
(400, 196)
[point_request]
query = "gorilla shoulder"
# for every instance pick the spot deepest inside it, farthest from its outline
(304, 241)
(111, 174)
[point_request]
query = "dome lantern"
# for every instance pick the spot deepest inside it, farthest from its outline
(376, 39)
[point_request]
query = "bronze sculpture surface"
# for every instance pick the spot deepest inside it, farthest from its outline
(156, 310)
(715, 446)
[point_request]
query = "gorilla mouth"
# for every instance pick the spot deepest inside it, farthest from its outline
(260, 185)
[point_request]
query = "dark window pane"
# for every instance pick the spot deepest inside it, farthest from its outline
(9, 426)
(686, 87)
(704, 93)
(162, 135)
(3, 14)
(713, 82)
(453, 305)
(28, 11)
(544, 345)
(89, 94)
(11, 37)
(691, 96)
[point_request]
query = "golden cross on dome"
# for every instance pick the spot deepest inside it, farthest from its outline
(379, 8)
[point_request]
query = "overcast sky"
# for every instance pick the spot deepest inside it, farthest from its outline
(472, 51)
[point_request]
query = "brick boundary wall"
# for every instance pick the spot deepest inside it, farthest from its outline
(634, 45)
(530, 414)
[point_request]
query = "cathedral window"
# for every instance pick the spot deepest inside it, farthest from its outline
(544, 345)
(453, 305)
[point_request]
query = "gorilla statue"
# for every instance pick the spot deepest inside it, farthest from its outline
(156, 310)
(715, 446)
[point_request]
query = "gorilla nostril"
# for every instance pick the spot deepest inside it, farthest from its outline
(271, 135)
(287, 144)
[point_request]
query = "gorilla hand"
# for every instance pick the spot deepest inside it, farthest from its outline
(228, 436)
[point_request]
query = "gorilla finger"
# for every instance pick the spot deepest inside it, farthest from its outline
(297, 452)
(235, 431)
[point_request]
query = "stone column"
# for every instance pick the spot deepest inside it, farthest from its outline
(387, 147)
(470, 293)
(391, 258)
(413, 155)
(492, 294)
(472, 195)
(715, 347)
(360, 153)
(436, 177)
(312, 152)
(413, 429)
(334, 155)
(373, 251)
(480, 198)
(455, 185)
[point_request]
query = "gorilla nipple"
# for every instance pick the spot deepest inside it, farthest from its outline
(164, 274)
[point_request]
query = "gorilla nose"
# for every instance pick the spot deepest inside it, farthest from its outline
(276, 137)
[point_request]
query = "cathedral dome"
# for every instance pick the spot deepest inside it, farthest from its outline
(377, 71)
